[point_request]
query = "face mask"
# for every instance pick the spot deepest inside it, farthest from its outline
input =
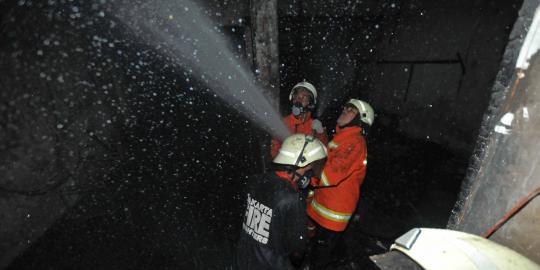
(297, 109)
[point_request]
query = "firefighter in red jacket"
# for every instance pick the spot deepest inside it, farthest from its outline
(335, 197)
(304, 98)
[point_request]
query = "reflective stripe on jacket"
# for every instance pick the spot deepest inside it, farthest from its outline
(336, 197)
(296, 126)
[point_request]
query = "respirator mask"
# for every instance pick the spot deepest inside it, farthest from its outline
(305, 179)
(297, 109)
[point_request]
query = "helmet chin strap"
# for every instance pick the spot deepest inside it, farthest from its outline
(355, 122)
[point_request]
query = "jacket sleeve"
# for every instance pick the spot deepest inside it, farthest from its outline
(342, 164)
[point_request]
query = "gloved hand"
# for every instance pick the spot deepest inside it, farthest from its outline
(317, 126)
(309, 195)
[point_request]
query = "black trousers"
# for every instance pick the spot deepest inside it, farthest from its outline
(323, 248)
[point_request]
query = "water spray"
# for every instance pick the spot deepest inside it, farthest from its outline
(181, 31)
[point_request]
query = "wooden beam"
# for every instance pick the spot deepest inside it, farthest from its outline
(264, 31)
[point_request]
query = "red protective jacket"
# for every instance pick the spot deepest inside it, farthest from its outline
(296, 126)
(335, 199)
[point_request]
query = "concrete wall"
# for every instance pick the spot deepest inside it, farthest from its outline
(60, 112)
(504, 168)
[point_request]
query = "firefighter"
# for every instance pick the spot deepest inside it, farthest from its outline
(273, 232)
(303, 97)
(336, 195)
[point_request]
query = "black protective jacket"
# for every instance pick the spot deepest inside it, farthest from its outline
(274, 224)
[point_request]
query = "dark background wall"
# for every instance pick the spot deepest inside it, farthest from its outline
(109, 151)
(427, 67)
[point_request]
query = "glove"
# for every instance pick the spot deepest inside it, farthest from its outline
(309, 194)
(317, 126)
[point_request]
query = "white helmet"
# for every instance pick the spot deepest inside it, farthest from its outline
(307, 86)
(447, 249)
(300, 150)
(367, 115)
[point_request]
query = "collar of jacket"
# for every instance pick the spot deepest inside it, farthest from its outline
(286, 177)
(298, 121)
(347, 131)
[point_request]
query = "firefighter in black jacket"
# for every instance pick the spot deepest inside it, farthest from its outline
(274, 226)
